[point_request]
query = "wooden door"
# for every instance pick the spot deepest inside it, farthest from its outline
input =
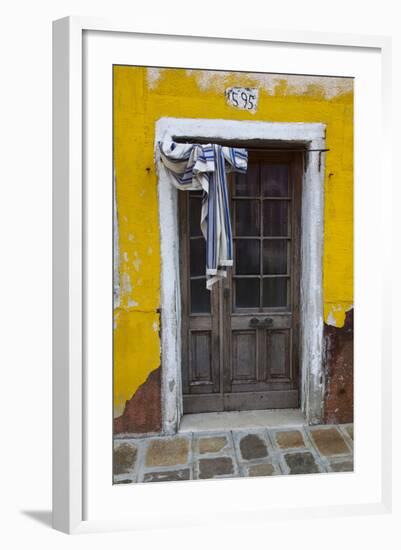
(201, 315)
(240, 341)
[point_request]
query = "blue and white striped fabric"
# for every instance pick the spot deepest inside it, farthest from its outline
(193, 167)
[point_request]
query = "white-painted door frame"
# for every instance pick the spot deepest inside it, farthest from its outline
(312, 138)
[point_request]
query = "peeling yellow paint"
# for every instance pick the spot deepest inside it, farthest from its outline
(136, 351)
(141, 97)
(334, 314)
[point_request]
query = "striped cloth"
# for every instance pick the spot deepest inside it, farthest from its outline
(193, 167)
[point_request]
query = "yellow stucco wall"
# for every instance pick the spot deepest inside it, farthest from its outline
(141, 97)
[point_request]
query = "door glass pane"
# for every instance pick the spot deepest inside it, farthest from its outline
(247, 218)
(274, 180)
(247, 185)
(197, 257)
(275, 257)
(195, 205)
(200, 296)
(247, 257)
(275, 292)
(247, 292)
(275, 218)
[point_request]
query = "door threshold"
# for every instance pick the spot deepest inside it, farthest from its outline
(238, 420)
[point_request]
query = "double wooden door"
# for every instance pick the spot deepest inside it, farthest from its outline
(240, 341)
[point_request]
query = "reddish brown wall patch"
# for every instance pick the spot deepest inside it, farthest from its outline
(142, 413)
(339, 371)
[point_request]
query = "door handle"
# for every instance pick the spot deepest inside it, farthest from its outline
(266, 322)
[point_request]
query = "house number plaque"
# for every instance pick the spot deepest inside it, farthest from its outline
(243, 98)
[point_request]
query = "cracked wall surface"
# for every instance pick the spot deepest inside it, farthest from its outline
(141, 97)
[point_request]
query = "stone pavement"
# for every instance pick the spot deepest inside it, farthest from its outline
(235, 453)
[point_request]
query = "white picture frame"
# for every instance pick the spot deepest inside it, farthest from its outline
(76, 215)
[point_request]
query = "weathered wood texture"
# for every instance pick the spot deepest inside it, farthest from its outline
(240, 342)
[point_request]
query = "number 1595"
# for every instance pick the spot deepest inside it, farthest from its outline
(242, 98)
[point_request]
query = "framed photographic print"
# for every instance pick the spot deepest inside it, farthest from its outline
(218, 326)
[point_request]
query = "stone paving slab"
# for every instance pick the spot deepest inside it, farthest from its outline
(173, 475)
(342, 465)
(263, 469)
(212, 444)
(253, 446)
(350, 430)
(167, 451)
(303, 462)
(288, 439)
(234, 453)
(124, 457)
(219, 466)
(329, 441)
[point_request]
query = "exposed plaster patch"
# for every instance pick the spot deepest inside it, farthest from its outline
(116, 249)
(155, 326)
(132, 303)
(153, 75)
(331, 320)
(125, 256)
(328, 87)
(137, 262)
(115, 319)
(131, 237)
(335, 314)
(126, 287)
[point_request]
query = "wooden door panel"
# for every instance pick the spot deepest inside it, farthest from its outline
(201, 358)
(201, 380)
(261, 360)
(274, 399)
(278, 354)
(263, 288)
(211, 402)
(276, 320)
(244, 357)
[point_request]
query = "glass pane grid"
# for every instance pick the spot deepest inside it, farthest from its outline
(248, 184)
(200, 296)
(274, 179)
(194, 207)
(262, 235)
(276, 218)
(197, 257)
(275, 257)
(275, 292)
(247, 217)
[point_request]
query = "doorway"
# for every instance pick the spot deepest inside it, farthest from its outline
(240, 341)
(308, 136)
